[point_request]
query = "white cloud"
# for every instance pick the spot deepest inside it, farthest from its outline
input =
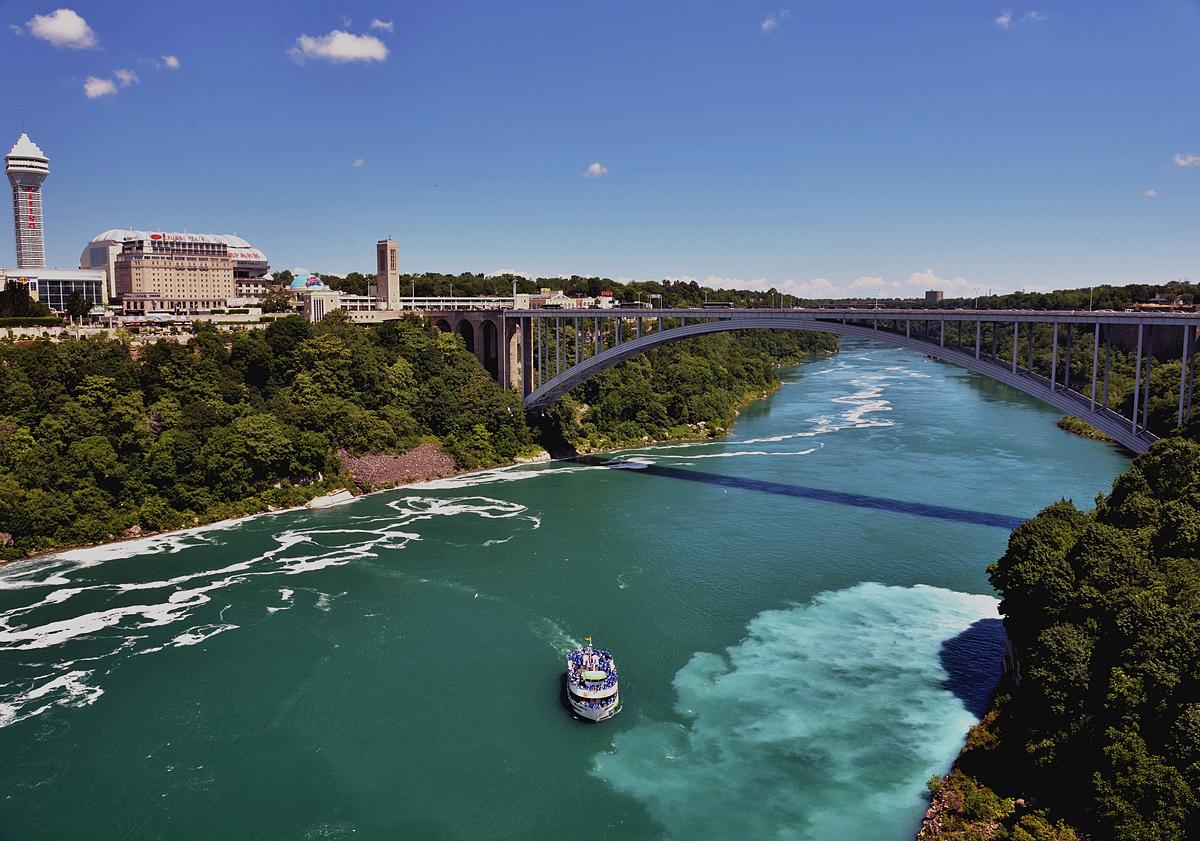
(63, 28)
(94, 87)
(15, 30)
(773, 20)
(954, 287)
(125, 77)
(1007, 20)
(1149, 193)
(170, 62)
(339, 47)
(387, 25)
(357, 162)
(1186, 161)
(595, 170)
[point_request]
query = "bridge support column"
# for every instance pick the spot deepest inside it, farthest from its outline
(1029, 349)
(1054, 359)
(1107, 360)
(510, 355)
(526, 357)
(942, 333)
(558, 354)
(1149, 363)
(995, 338)
(1095, 362)
(576, 340)
(1137, 380)
(907, 327)
(1183, 370)
(1016, 338)
(637, 327)
(978, 336)
(1067, 361)
(598, 337)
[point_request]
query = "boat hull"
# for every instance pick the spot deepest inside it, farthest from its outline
(594, 715)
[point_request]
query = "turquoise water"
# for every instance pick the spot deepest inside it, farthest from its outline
(791, 667)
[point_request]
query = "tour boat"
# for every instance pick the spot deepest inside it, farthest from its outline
(592, 688)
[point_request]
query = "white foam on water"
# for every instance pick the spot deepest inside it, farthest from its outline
(636, 463)
(868, 399)
(170, 601)
(824, 722)
(197, 635)
(737, 453)
(69, 689)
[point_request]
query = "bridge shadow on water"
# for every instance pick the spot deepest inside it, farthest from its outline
(879, 503)
(973, 661)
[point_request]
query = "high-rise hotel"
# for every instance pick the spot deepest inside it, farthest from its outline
(27, 167)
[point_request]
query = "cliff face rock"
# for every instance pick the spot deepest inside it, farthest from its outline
(377, 470)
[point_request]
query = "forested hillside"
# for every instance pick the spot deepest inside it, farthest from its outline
(1101, 723)
(691, 389)
(98, 437)
(95, 439)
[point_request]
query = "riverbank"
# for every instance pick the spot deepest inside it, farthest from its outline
(1076, 426)
(311, 492)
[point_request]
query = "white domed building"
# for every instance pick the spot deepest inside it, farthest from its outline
(157, 270)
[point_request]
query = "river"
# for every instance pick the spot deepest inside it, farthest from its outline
(800, 614)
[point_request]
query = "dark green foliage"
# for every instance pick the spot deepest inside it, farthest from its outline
(16, 303)
(94, 441)
(690, 389)
(1104, 609)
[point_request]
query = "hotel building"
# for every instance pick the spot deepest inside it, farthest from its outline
(155, 272)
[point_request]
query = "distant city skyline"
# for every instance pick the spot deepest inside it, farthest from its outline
(883, 150)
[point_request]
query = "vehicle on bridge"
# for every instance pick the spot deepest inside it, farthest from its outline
(718, 305)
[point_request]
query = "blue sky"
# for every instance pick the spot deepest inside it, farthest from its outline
(820, 147)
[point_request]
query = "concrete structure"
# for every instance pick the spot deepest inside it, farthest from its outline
(559, 349)
(27, 167)
(387, 274)
(934, 296)
(249, 264)
(54, 286)
(489, 335)
(549, 299)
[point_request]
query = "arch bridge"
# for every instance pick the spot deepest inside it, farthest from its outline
(549, 352)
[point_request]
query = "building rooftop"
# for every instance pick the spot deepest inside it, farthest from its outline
(26, 148)
(122, 234)
(240, 247)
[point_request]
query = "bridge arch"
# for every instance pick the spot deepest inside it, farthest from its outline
(442, 324)
(467, 331)
(1070, 403)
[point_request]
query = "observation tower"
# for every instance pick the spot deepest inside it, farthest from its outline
(27, 168)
